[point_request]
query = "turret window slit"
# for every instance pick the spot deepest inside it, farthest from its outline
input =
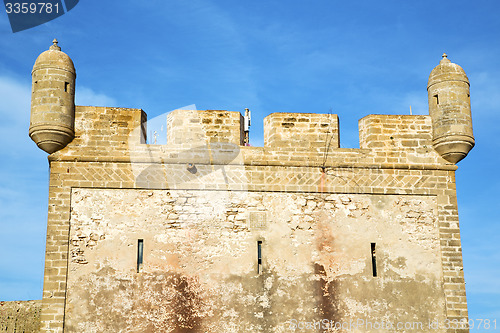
(374, 260)
(259, 257)
(140, 254)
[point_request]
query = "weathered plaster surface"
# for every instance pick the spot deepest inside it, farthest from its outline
(200, 260)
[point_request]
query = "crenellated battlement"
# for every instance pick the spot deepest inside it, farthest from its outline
(195, 127)
(90, 130)
(207, 217)
(216, 137)
(311, 132)
(388, 132)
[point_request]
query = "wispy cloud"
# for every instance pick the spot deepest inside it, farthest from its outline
(485, 94)
(417, 100)
(480, 275)
(15, 97)
(86, 96)
(23, 173)
(15, 113)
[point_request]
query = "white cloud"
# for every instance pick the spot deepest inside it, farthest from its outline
(15, 105)
(417, 101)
(485, 94)
(86, 96)
(22, 195)
(481, 278)
(15, 99)
(480, 264)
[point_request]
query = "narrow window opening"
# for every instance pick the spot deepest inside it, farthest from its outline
(259, 257)
(436, 99)
(140, 254)
(374, 261)
(66, 86)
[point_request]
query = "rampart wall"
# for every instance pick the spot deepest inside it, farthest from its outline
(109, 163)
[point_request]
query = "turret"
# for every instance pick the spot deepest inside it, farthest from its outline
(52, 123)
(449, 108)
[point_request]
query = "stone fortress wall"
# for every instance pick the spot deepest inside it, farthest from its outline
(205, 234)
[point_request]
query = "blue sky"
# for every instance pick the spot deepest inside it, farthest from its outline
(354, 57)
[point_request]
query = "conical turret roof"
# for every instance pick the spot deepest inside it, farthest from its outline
(447, 71)
(54, 58)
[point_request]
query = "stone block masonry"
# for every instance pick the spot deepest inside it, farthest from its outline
(319, 224)
(20, 316)
(204, 234)
(311, 131)
(194, 127)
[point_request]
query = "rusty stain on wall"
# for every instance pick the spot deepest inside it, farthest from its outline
(200, 260)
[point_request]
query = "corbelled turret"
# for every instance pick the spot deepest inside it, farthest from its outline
(52, 120)
(449, 108)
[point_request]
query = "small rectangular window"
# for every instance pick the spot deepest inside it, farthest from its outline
(374, 260)
(140, 254)
(66, 86)
(259, 257)
(436, 99)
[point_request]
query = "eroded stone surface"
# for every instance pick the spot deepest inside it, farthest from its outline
(200, 260)
(202, 203)
(20, 316)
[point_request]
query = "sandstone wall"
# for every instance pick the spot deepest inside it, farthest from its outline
(200, 269)
(195, 127)
(312, 131)
(20, 316)
(316, 215)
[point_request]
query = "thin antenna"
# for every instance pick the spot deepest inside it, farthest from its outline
(246, 126)
(327, 141)
(410, 111)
